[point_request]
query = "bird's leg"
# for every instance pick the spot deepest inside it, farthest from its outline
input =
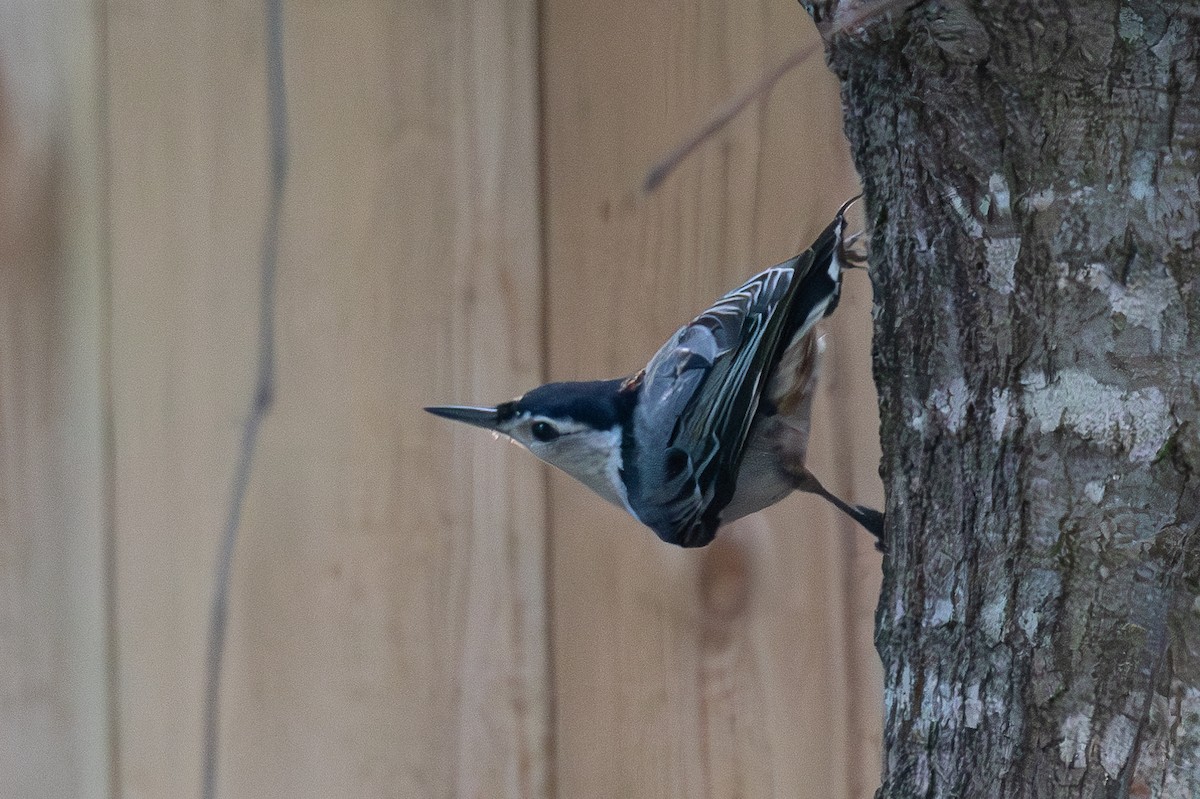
(869, 518)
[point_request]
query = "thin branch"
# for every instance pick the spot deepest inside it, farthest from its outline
(659, 172)
(264, 393)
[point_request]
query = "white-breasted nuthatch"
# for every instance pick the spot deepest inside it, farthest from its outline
(716, 426)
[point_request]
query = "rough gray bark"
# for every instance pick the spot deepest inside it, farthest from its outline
(1031, 176)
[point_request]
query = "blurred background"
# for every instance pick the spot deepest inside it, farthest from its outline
(418, 610)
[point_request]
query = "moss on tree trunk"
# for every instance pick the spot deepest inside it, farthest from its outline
(1032, 182)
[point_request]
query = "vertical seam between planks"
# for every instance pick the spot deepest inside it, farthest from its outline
(108, 440)
(541, 113)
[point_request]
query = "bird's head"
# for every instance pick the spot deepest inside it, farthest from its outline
(576, 427)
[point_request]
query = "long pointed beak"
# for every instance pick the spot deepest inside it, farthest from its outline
(479, 417)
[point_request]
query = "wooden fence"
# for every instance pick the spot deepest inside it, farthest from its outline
(418, 611)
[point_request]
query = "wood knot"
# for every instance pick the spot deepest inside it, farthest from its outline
(724, 581)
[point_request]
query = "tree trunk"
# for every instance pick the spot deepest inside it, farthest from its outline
(1032, 195)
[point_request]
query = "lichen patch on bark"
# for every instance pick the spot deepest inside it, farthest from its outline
(1117, 744)
(1139, 421)
(1142, 301)
(1002, 254)
(1076, 732)
(1001, 412)
(950, 403)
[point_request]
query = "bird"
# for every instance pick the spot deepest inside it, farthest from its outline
(716, 426)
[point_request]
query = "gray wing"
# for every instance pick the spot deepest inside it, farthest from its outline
(689, 394)
(702, 389)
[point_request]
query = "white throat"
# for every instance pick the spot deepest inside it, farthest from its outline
(596, 462)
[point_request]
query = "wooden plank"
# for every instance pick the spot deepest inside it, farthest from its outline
(388, 636)
(185, 182)
(53, 507)
(728, 671)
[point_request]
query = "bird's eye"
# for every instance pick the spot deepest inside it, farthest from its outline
(544, 431)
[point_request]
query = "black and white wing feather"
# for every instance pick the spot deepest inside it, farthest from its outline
(701, 391)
